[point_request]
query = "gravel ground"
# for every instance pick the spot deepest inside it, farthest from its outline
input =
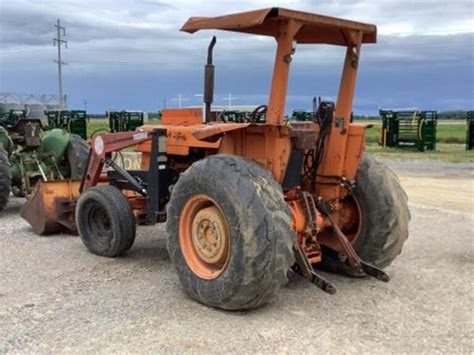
(57, 297)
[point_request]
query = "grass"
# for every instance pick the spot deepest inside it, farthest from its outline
(454, 153)
(101, 125)
(447, 132)
(97, 125)
(452, 133)
(450, 146)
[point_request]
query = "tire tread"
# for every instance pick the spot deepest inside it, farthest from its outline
(267, 262)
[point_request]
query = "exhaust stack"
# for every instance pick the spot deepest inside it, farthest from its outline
(208, 96)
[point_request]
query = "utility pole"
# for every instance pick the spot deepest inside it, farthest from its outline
(180, 100)
(58, 41)
(229, 99)
(85, 105)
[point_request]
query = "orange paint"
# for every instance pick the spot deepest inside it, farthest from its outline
(269, 144)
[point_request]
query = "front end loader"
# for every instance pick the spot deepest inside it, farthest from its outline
(247, 202)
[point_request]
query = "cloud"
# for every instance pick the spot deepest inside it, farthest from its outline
(114, 44)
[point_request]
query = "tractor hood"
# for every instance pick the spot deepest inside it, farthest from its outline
(315, 28)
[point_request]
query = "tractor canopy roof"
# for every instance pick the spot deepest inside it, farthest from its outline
(315, 28)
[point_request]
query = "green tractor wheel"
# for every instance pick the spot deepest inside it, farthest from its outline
(70, 150)
(77, 156)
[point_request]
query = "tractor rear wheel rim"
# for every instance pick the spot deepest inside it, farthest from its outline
(204, 237)
(350, 222)
(351, 216)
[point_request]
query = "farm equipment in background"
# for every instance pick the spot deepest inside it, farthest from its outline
(73, 121)
(306, 116)
(247, 202)
(409, 129)
(301, 115)
(470, 130)
(28, 155)
(125, 121)
(10, 118)
(235, 116)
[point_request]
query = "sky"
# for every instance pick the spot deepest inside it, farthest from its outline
(130, 54)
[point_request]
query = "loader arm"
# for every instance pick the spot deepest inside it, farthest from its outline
(101, 148)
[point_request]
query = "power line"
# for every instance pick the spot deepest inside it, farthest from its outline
(57, 41)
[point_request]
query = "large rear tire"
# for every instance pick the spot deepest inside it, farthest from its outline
(105, 221)
(5, 177)
(383, 219)
(249, 253)
(385, 214)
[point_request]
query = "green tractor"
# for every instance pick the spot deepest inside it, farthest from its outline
(301, 115)
(28, 154)
(123, 121)
(73, 121)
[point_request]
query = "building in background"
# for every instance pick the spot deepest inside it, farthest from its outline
(33, 104)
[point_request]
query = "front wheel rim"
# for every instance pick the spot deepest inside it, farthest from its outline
(98, 223)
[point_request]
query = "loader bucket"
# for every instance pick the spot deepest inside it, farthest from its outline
(50, 208)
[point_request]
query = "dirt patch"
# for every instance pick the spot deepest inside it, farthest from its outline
(446, 187)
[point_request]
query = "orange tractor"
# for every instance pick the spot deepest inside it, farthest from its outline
(246, 202)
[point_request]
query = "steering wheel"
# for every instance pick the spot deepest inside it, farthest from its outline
(257, 114)
(221, 116)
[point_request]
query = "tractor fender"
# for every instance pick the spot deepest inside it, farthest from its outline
(216, 129)
(55, 141)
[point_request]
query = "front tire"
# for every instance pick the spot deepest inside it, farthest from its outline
(246, 206)
(105, 221)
